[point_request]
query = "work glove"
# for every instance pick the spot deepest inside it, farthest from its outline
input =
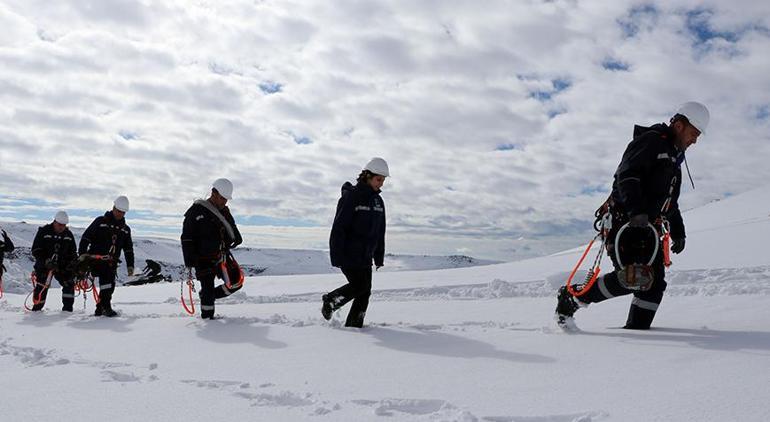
(678, 246)
(377, 267)
(130, 271)
(639, 220)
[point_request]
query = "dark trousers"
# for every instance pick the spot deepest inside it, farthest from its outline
(106, 275)
(644, 305)
(358, 289)
(208, 293)
(66, 281)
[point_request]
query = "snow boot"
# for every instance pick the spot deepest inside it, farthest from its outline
(327, 309)
(566, 306)
(109, 312)
(98, 311)
(67, 308)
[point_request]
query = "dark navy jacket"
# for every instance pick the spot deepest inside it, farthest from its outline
(358, 232)
(105, 232)
(204, 236)
(649, 173)
(48, 243)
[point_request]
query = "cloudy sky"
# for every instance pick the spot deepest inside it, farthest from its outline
(502, 121)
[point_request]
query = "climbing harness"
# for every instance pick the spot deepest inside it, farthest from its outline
(636, 276)
(191, 289)
(44, 287)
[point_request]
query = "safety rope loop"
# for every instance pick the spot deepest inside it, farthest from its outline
(228, 263)
(191, 288)
(593, 272)
(44, 287)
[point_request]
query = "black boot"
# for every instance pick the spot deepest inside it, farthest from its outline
(327, 309)
(566, 305)
(67, 307)
(108, 311)
(98, 311)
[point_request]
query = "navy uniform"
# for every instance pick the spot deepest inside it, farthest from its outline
(107, 236)
(357, 239)
(208, 234)
(54, 253)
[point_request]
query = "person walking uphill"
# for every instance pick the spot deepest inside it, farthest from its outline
(645, 195)
(208, 234)
(103, 242)
(55, 253)
(358, 238)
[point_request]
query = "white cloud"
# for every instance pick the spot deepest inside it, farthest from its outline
(156, 99)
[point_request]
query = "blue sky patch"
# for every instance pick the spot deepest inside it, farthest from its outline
(615, 65)
(698, 24)
(128, 135)
(558, 85)
(270, 87)
(638, 17)
(507, 147)
(763, 112)
(301, 140)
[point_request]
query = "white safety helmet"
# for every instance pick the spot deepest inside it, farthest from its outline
(224, 187)
(378, 166)
(61, 217)
(697, 114)
(121, 203)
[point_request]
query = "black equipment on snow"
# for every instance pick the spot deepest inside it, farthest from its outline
(150, 274)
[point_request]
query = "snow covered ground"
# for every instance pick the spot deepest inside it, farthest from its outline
(469, 344)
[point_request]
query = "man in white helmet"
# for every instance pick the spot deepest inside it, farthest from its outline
(645, 193)
(357, 240)
(102, 243)
(55, 253)
(209, 233)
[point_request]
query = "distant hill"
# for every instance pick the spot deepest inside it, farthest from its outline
(254, 261)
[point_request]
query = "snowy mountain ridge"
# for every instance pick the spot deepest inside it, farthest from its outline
(254, 261)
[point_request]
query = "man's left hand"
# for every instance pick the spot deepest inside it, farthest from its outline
(678, 246)
(130, 271)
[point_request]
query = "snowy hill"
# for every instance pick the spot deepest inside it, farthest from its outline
(468, 344)
(255, 261)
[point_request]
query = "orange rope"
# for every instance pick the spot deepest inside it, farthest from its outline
(191, 289)
(36, 298)
(667, 249)
(594, 271)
